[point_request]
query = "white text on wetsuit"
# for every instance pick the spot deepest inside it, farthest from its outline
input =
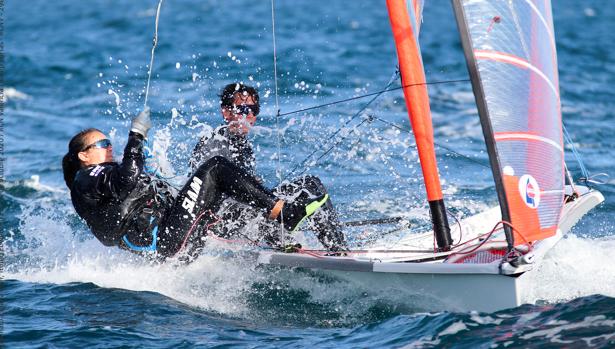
(192, 195)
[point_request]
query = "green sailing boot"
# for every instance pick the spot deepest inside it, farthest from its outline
(294, 213)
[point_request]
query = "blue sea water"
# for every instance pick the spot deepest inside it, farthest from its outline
(70, 65)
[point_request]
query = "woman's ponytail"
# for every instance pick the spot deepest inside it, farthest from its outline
(70, 166)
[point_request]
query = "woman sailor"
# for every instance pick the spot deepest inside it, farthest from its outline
(125, 207)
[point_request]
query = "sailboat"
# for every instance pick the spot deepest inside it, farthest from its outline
(510, 52)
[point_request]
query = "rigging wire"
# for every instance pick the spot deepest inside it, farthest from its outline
(277, 118)
(367, 119)
(587, 178)
(437, 144)
(370, 118)
(378, 93)
(277, 102)
(575, 152)
(151, 62)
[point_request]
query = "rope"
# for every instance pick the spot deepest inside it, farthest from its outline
(575, 153)
(375, 96)
(372, 94)
(437, 144)
(151, 62)
(278, 171)
(332, 136)
(320, 252)
(458, 224)
(277, 102)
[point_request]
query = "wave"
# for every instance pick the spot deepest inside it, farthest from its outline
(12, 93)
(51, 245)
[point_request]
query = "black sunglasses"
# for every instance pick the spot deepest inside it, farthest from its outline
(102, 144)
(245, 109)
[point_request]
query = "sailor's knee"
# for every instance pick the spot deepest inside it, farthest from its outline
(212, 164)
(215, 160)
(314, 183)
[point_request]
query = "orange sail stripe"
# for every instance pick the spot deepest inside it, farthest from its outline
(527, 136)
(516, 61)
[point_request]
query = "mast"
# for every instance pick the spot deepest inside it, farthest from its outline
(419, 112)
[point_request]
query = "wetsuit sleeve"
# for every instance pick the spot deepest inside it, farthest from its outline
(210, 145)
(199, 153)
(245, 156)
(132, 164)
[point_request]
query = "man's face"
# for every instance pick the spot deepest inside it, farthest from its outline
(239, 116)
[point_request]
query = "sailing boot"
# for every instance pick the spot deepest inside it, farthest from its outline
(291, 215)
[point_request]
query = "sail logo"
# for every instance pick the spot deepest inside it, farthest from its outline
(529, 190)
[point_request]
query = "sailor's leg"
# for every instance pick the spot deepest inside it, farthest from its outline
(238, 220)
(325, 220)
(201, 197)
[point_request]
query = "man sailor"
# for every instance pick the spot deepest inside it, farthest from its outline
(239, 106)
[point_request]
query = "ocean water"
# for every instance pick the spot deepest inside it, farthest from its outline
(71, 65)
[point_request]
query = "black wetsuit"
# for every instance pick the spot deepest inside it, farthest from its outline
(221, 142)
(238, 149)
(125, 207)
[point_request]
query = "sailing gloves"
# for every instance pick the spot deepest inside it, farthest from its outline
(142, 123)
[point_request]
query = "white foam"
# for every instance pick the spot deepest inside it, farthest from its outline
(118, 101)
(161, 143)
(454, 328)
(57, 252)
(12, 93)
(554, 332)
(575, 267)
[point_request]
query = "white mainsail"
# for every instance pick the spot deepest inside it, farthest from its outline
(511, 55)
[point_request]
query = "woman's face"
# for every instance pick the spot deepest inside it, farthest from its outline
(97, 150)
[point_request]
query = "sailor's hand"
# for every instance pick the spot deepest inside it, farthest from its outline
(142, 123)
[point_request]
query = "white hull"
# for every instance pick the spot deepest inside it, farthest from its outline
(442, 292)
(443, 286)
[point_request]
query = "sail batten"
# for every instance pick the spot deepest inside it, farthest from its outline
(511, 55)
(502, 136)
(514, 60)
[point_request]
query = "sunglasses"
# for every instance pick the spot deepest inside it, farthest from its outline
(245, 109)
(102, 144)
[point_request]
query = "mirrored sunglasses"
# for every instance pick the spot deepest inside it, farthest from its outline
(246, 109)
(102, 144)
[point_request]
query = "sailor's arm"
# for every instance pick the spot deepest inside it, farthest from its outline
(111, 180)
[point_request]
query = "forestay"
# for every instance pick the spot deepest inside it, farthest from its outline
(510, 51)
(415, 9)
